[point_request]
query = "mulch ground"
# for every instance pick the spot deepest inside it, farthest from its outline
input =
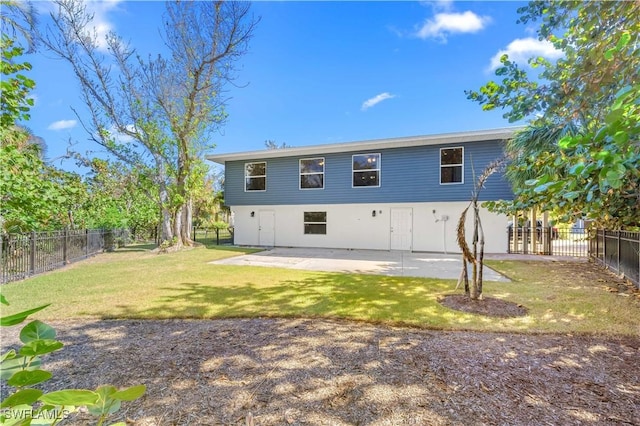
(322, 372)
(489, 306)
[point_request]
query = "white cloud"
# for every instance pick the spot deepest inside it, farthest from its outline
(444, 24)
(101, 22)
(100, 10)
(62, 125)
(521, 49)
(376, 100)
(121, 137)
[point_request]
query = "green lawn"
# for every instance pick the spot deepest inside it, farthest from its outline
(135, 283)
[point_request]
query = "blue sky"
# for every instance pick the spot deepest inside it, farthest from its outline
(323, 72)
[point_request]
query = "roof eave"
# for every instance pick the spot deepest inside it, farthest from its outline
(444, 138)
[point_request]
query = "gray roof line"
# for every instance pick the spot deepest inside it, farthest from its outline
(457, 137)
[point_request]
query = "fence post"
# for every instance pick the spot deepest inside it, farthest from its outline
(604, 247)
(217, 236)
(618, 235)
(32, 253)
(194, 234)
(86, 242)
(638, 251)
(65, 243)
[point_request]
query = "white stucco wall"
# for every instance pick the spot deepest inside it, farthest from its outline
(352, 226)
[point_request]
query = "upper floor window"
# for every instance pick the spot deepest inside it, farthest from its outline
(366, 170)
(255, 176)
(451, 165)
(312, 173)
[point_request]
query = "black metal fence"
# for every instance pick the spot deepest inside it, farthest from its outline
(216, 236)
(549, 241)
(619, 251)
(24, 255)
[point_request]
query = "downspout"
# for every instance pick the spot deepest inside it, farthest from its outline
(444, 219)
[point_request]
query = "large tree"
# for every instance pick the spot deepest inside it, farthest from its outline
(167, 105)
(580, 153)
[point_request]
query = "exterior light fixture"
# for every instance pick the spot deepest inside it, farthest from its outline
(373, 213)
(253, 214)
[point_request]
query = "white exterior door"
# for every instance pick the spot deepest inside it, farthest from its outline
(401, 229)
(266, 228)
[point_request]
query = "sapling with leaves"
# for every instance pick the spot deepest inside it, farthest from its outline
(475, 255)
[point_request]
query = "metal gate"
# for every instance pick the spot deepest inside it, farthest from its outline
(548, 241)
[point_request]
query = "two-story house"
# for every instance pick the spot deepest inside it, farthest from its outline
(389, 194)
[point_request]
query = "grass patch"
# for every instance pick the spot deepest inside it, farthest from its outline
(136, 283)
(569, 297)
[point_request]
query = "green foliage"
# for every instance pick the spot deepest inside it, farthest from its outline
(14, 103)
(35, 196)
(593, 90)
(22, 370)
(209, 210)
(165, 245)
(7, 321)
(118, 196)
(220, 225)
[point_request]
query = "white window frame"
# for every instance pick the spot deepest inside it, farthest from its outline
(304, 222)
(300, 174)
(461, 165)
(258, 176)
(379, 170)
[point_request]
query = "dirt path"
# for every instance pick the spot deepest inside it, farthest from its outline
(321, 372)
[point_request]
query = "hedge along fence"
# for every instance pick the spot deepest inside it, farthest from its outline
(24, 255)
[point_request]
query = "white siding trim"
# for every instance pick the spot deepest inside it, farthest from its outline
(352, 226)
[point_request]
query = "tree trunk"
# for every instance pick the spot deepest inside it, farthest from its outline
(480, 255)
(187, 223)
(474, 282)
(465, 277)
(475, 294)
(177, 228)
(167, 230)
(467, 256)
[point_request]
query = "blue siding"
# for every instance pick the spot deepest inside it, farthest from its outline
(408, 174)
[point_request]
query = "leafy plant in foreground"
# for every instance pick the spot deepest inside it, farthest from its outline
(22, 370)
